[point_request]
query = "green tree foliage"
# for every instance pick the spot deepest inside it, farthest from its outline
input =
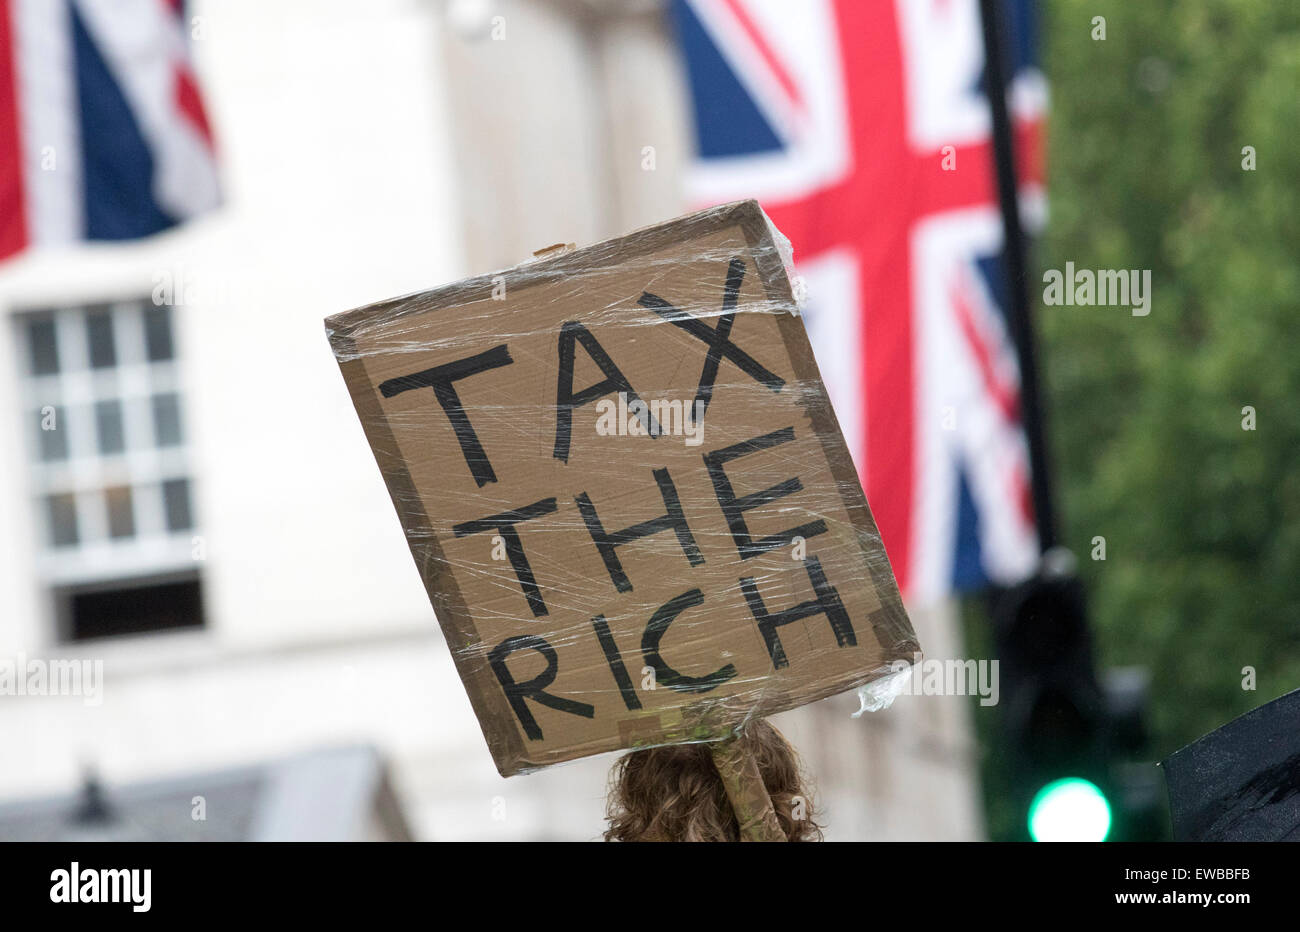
(1201, 518)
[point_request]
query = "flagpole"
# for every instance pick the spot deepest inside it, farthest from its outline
(1015, 263)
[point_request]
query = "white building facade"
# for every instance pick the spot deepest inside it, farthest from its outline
(208, 479)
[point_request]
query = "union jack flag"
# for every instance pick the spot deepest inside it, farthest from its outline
(102, 130)
(863, 129)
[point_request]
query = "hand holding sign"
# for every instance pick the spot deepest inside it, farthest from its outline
(626, 491)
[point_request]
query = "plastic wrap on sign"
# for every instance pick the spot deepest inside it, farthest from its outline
(625, 490)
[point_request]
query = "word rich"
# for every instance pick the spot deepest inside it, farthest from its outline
(510, 524)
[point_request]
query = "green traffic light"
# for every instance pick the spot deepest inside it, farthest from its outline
(1072, 809)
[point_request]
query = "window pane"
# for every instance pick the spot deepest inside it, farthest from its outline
(158, 333)
(99, 336)
(166, 420)
(63, 519)
(121, 519)
(176, 502)
(108, 424)
(52, 434)
(133, 607)
(43, 346)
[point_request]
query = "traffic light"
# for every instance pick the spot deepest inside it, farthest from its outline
(1072, 740)
(1070, 809)
(1055, 714)
(1141, 809)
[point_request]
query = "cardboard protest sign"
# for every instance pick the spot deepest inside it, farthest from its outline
(626, 491)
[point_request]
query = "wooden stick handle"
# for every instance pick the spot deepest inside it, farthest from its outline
(749, 797)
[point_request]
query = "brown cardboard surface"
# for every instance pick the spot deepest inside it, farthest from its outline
(672, 651)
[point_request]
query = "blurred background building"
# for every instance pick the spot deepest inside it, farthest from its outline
(206, 517)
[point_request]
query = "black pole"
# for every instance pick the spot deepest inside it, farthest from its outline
(1014, 261)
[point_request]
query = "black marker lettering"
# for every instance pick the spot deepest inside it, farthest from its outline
(441, 379)
(609, 542)
(614, 381)
(654, 632)
(717, 338)
(516, 693)
(827, 603)
(504, 524)
(615, 661)
(733, 508)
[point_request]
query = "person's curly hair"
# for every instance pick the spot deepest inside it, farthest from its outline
(675, 793)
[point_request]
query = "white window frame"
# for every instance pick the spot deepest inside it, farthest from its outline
(85, 472)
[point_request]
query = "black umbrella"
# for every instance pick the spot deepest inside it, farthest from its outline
(1241, 782)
